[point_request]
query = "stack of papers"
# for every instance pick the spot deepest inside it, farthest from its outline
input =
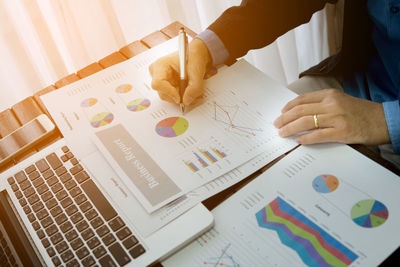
(317, 206)
(321, 205)
(163, 161)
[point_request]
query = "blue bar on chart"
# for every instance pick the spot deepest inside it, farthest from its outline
(208, 155)
(202, 162)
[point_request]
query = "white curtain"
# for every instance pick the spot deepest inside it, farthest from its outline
(45, 40)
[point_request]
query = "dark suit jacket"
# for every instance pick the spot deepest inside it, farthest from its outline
(257, 23)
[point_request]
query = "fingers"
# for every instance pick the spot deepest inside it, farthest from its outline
(193, 91)
(197, 66)
(308, 98)
(298, 117)
(298, 112)
(319, 136)
(305, 123)
(166, 91)
(166, 97)
(164, 79)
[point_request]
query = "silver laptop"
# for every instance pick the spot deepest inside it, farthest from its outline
(54, 211)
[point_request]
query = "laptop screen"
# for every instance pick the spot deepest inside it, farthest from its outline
(15, 246)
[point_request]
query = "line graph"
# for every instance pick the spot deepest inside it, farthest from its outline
(228, 115)
(224, 259)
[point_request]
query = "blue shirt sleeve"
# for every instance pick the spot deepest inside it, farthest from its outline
(392, 115)
(216, 47)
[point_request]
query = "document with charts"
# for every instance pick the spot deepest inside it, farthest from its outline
(159, 153)
(323, 205)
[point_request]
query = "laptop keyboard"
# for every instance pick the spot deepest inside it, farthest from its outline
(6, 256)
(74, 221)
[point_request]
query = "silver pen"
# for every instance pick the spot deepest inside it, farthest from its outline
(183, 53)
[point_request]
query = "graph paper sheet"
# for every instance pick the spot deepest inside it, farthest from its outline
(157, 152)
(324, 205)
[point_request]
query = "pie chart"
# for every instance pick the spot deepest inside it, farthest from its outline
(101, 119)
(88, 102)
(123, 88)
(138, 104)
(325, 183)
(172, 127)
(369, 213)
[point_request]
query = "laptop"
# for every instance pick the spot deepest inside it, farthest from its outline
(55, 212)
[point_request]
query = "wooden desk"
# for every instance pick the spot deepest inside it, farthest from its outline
(29, 108)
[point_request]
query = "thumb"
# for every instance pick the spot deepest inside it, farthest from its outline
(193, 90)
(196, 68)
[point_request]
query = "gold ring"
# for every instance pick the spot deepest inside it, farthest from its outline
(316, 121)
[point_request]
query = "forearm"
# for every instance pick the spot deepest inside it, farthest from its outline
(257, 23)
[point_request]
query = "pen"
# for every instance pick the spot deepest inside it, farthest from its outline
(183, 46)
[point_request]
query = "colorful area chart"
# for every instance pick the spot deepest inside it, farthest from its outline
(314, 246)
(369, 213)
(138, 104)
(325, 183)
(172, 127)
(123, 88)
(101, 119)
(88, 102)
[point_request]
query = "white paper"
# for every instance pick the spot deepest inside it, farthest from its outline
(334, 207)
(230, 127)
(145, 223)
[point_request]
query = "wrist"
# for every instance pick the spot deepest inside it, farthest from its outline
(382, 131)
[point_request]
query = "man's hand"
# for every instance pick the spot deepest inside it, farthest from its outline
(165, 74)
(341, 118)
